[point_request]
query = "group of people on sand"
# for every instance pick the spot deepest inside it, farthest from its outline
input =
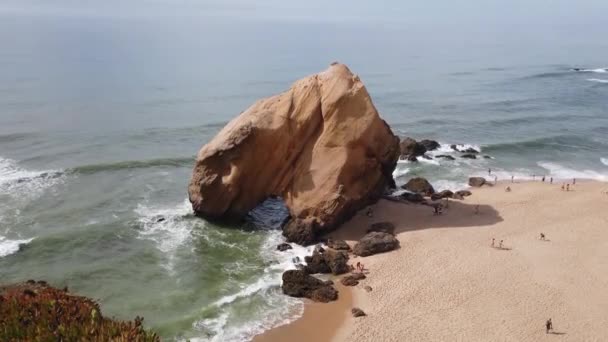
(500, 244)
(360, 267)
(566, 186)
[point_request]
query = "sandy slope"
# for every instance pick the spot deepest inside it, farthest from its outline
(446, 283)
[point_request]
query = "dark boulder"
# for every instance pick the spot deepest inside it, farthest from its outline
(339, 245)
(470, 150)
(374, 243)
(412, 197)
(383, 227)
(445, 156)
(464, 193)
(410, 147)
(454, 147)
(357, 312)
(337, 261)
(316, 262)
(419, 185)
(441, 195)
(412, 158)
(468, 156)
(426, 156)
(352, 279)
(477, 181)
(298, 283)
(283, 247)
(430, 145)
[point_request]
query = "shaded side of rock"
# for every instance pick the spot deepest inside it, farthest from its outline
(374, 243)
(316, 262)
(468, 156)
(477, 181)
(412, 197)
(445, 156)
(383, 227)
(419, 185)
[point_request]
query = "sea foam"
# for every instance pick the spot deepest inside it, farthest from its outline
(562, 172)
(8, 247)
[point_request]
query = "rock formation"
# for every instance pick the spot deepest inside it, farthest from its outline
(321, 146)
(352, 279)
(419, 185)
(477, 181)
(327, 261)
(298, 283)
(374, 243)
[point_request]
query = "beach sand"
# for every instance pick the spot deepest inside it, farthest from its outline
(446, 283)
(320, 321)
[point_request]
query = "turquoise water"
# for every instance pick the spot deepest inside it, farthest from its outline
(101, 116)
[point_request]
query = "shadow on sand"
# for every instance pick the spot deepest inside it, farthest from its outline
(410, 217)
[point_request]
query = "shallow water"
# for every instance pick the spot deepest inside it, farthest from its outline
(101, 116)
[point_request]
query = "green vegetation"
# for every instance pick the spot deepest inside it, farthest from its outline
(34, 311)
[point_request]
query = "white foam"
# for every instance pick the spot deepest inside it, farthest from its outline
(598, 80)
(21, 183)
(400, 171)
(166, 227)
(598, 70)
(562, 172)
(428, 161)
(444, 184)
(284, 309)
(8, 247)
(604, 161)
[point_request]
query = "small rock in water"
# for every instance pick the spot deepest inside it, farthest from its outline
(357, 312)
(283, 247)
(445, 156)
(468, 156)
(160, 219)
(487, 157)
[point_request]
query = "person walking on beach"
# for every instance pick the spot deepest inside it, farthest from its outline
(551, 180)
(568, 187)
(512, 178)
(573, 181)
(493, 242)
(500, 244)
(533, 177)
(477, 209)
(495, 179)
(548, 326)
(542, 236)
(543, 179)
(563, 186)
(489, 172)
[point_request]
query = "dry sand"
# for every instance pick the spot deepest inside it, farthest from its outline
(446, 283)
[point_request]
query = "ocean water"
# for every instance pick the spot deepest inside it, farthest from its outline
(101, 114)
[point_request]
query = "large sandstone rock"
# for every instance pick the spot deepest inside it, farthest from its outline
(298, 283)
(321, 146)
(419, 185)
(374, 243)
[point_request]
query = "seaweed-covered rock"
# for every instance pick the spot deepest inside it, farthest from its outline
(298, 283)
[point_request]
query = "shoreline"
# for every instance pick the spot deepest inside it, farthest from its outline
(308, 327)
(446, 282)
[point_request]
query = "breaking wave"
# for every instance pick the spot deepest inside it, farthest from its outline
(8, 247)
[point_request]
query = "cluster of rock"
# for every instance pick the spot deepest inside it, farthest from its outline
(412, 150)
(418, 188)
(321, 146)
(333, 259)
